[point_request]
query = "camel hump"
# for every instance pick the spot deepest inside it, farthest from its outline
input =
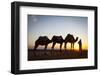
(70, 38)
(57, 36)
(43, 38)
(70, 35)
(60, 37)
(54, 38)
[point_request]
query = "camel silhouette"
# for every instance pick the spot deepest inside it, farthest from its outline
(70, 38)
(57, 39)
(42, 40)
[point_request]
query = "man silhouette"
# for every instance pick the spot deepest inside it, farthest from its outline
(80, 45)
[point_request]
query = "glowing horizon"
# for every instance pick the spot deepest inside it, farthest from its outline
(46, 25)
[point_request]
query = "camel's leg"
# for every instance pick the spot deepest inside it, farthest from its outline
(65, 45)
(71, 45)
(46, 46)
(35, 47)
(45, 49)
(53, 45)
(60, 46)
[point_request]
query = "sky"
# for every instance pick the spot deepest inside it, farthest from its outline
(49, 25)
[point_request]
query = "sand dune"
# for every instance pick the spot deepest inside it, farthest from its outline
(56, 54)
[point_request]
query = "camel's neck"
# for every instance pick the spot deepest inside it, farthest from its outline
(76, 39)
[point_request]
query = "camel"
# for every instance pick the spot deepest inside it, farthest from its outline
(70, 38)
(57, 39)
(42, 40)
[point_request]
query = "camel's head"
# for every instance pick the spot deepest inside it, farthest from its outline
(76, 39)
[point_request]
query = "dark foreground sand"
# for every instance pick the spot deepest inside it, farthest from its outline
(55, 54)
